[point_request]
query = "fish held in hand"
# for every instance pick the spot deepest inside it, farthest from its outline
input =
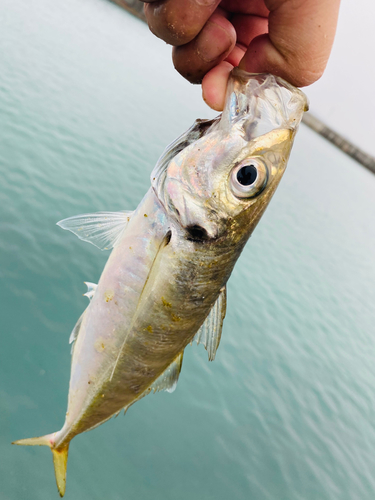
(164, 283)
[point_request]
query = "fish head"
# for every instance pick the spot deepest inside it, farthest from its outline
(223, 180)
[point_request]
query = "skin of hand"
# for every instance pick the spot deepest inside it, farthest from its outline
(289, 38)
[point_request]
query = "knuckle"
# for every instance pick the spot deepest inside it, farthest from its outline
(171, 25)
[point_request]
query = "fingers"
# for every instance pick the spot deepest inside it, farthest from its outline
(177, 22)
(214, 85)
(298, 43)
(248, 27)
(289, 38)
(211, 46)
(216, 42)
(253, 7)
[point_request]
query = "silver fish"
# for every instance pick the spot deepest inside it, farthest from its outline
(164, 282)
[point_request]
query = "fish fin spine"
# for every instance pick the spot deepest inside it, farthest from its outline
(60, 457)
(167, 381)
(91, 289)
(209, 334)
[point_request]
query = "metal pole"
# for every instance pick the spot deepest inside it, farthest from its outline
(339, 141)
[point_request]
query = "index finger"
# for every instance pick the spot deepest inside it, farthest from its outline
(178, 21)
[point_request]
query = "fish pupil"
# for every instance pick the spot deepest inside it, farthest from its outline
(247, 175)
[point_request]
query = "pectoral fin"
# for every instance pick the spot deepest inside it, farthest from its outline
(102, 229)
(209, 334)
(167, 381)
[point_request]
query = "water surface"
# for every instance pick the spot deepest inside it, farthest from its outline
(88, 101)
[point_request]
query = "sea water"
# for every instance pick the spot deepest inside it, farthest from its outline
(88, 101)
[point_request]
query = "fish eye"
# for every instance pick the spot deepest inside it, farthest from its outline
(249, 178)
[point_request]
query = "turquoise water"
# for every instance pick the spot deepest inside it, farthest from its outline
(88, 100)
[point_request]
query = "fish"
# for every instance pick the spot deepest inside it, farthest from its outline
(164, 284)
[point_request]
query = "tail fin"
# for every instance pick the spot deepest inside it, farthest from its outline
(60, 457)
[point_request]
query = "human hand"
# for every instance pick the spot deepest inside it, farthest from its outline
(288, 38)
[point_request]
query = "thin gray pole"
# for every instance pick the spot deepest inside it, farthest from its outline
(339, 141)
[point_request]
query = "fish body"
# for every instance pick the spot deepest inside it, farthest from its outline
(164, 282)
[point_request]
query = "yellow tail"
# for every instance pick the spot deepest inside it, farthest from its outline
(60, 457)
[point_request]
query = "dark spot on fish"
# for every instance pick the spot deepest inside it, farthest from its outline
(166, 303)
(168, 237)
(196, 233)
(108, 295)
(145, 215)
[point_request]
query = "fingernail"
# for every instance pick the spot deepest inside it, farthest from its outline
(205, 3)
(212, 42)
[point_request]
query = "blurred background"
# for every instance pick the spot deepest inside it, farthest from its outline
(88, 101)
